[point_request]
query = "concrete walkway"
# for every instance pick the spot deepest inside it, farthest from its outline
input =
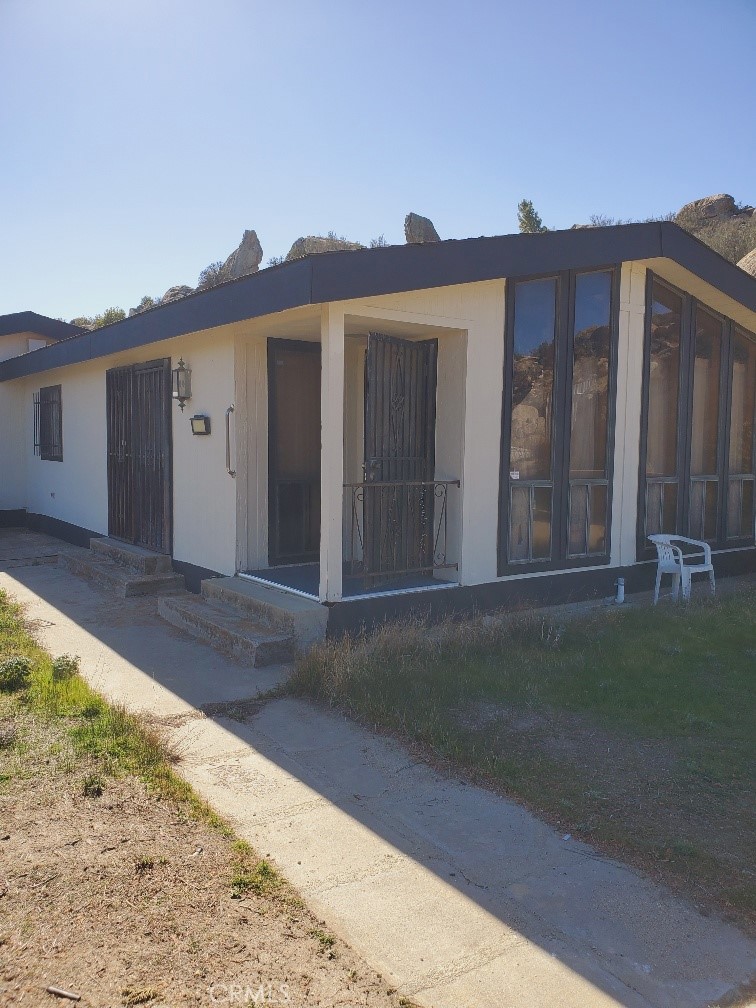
(460, 898)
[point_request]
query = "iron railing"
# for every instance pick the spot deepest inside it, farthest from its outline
(397, 528)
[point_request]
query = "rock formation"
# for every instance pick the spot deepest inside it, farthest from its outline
(244, 259)
(175, 293)
(718, 207)
(418, 230)
(748, 263)
(314, 244)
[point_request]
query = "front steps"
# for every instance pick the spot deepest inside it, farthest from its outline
(248, 621)
(123, 569)
(305, 618)
(229, 630)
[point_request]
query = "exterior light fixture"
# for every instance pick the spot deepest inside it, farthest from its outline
(182, 383)
(200, 424)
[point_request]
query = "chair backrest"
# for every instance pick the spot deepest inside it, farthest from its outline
(664, 548)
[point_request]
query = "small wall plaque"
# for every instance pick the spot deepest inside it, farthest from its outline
(200, 424)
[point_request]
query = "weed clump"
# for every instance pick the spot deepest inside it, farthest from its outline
(92, 786)
(15, 673)
(65, 667)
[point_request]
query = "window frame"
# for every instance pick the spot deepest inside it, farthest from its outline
(48, 423)
(688, 314)
(564, 348)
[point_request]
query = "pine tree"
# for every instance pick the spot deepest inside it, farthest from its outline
(528, 219)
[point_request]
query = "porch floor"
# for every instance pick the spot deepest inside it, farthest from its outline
(306, 578)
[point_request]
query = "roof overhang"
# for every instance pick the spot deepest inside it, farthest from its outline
(40, 325)
(342, 276)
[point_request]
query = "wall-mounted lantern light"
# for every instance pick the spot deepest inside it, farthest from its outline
(182, 383)
(200, 424)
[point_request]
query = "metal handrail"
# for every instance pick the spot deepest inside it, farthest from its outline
(231, 472)
(414, 527)
(404, 483)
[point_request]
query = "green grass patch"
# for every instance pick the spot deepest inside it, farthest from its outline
(631, 727)
(116, 742)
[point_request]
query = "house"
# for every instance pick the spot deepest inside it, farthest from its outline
(449, 426)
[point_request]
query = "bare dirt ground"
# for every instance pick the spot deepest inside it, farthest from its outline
(124, 899)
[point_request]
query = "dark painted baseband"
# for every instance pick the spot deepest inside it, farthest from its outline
(345, 617)
(13, 518)
(79, 536)
(193, 575)
(524, 593)
(69, 533)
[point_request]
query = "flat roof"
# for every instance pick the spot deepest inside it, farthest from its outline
(41, 325)
(344, 275)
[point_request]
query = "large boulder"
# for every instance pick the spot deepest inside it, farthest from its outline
(313, 245)
(719, 207)
(418, 230)
(748, 262)
(243, 260)
(174, 293)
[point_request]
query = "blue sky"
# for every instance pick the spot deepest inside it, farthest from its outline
(139, 138)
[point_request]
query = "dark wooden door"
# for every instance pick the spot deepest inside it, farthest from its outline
(293, 451)
(400, 433)
(138, 406)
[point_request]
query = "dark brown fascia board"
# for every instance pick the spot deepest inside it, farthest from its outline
(41, 325)
(341, 276)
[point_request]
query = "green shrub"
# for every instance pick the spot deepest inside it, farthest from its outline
(65, 667)
(15, 673)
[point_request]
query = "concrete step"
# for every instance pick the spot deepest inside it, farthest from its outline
(229, 630)
(124, 581)
(134, 557)
(280, 610)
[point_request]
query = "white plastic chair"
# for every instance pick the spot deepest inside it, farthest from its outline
(673, 561)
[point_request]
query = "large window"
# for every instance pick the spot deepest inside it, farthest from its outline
(48, 424)
(697, 459)
(741, 466)
(557, 418)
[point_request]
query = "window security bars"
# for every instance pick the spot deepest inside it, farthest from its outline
(48, 424)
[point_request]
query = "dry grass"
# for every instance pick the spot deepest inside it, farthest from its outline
(633, 729)
(117, 883)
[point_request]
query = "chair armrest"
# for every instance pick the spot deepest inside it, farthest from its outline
(704, 546)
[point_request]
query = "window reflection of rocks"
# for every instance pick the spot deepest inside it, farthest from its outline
(664, 381)
(589, 426)
(530, 457)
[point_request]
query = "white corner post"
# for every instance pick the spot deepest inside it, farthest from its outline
(331, 452)
(628, 417)
(482, 443)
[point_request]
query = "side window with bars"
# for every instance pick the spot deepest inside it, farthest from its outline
(48, 424)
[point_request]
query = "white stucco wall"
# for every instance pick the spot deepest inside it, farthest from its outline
(75, 490)
(13, 436)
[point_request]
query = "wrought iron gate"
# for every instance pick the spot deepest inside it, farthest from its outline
(139, 454)
(399, 496)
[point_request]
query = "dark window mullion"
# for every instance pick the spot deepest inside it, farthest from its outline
(642, 546)
(685, 411)
(505, 487)
(562, 415)
(611, 435)
(723, 433)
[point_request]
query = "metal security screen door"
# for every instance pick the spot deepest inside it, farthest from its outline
(400, 427)
(138, 406)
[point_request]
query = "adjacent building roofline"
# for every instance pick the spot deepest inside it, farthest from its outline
(41, 325)
(341, 276)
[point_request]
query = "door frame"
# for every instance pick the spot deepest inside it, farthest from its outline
(163, 365)
(304, 346)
